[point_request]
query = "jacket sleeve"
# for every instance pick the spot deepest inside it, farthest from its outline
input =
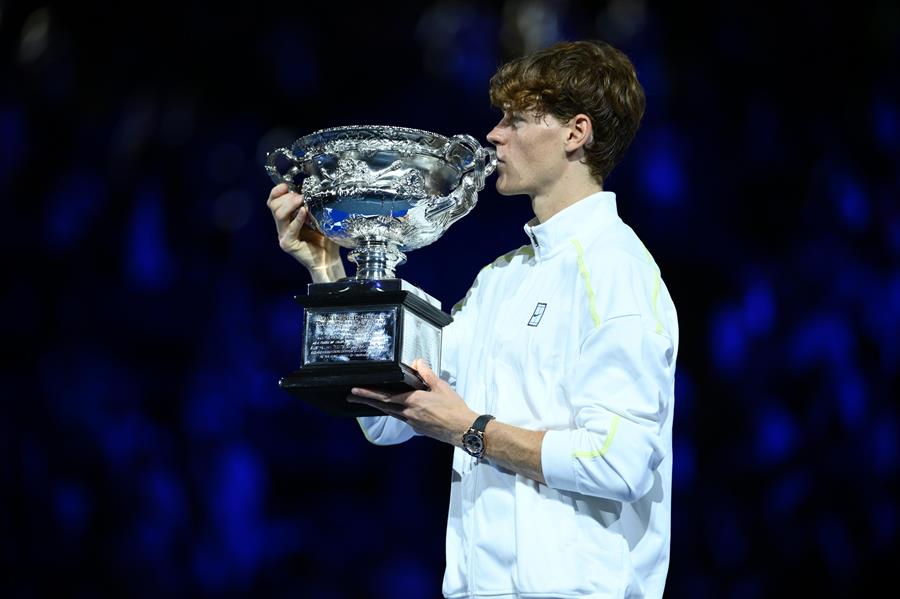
(385, 430)
(620, 391)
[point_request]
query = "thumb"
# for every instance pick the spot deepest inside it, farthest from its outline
(295, 224)
(425, 371)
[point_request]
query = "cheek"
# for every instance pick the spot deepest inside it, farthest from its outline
(538, 144)
(531, 156)
(546, 149)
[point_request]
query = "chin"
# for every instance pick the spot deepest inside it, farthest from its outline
(511, 192)
(505, 190)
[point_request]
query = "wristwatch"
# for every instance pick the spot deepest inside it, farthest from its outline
(473, 439)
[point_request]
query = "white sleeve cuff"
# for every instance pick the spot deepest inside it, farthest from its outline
(556, 460)
(370, 427)
(385, 430)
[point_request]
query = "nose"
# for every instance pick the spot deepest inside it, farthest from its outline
(494, 136)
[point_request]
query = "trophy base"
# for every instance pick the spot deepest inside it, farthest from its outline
(364, 333)
(328, 387)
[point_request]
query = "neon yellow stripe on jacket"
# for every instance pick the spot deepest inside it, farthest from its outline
(606, 444)
(586, 276)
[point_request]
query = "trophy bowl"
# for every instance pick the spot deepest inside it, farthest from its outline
(383, 190)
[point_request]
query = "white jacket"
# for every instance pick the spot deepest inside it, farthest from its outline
(575, 334)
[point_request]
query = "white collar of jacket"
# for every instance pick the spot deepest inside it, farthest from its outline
(582, 220)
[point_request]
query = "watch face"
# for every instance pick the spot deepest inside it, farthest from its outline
(473, 443)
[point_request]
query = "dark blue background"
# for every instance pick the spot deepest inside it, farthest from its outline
(148, 313)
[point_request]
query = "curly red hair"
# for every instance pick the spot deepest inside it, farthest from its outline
(570, 78)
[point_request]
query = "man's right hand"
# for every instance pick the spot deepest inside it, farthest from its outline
(317, 253)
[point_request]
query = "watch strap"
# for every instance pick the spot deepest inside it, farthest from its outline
(481, 422)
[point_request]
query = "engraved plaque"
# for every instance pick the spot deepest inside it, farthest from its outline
(350, 335)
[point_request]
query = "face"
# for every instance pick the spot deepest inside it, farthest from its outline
(530, 153)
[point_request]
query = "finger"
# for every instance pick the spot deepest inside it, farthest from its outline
(292, 230)
(425, 371)
(389, 409)
(296, 223)
(277, 203)
(286, 209)
(278, 191)
(371, 394)
(401, 399)
(286, 205)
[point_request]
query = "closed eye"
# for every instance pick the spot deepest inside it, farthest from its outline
(513, 119)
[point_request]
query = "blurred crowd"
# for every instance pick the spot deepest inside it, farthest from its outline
(148, 311)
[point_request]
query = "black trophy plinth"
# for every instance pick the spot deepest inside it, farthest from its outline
(364, 333)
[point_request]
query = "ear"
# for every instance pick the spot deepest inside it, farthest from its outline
(581, 132)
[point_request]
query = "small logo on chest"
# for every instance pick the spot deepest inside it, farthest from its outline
(537, 315)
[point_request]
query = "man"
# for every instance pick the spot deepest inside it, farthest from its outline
(558, 370)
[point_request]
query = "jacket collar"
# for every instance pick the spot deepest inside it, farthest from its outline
(583, 220)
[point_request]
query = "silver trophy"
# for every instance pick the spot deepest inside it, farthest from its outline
(379, 191)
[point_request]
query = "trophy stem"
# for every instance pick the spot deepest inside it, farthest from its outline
(376, 259)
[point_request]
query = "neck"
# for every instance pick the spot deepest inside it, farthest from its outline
(566, 192)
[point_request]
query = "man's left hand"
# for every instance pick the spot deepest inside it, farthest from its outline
(439, 413)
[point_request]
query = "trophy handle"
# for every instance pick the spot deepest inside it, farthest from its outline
(462, 150)
(273, 171)
(476, 163)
